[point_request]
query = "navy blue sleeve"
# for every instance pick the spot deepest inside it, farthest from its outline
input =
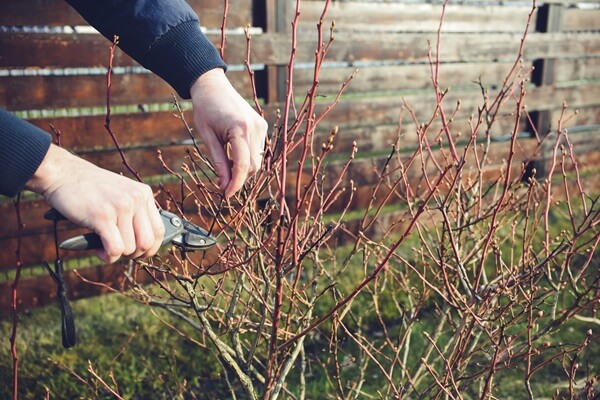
(22, 148)
(162, 35)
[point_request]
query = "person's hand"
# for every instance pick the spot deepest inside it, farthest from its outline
(223, 118)
(121, 211)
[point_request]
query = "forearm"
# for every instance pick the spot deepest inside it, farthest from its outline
(23, 147)
(163, 36)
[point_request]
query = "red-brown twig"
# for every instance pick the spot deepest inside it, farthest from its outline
(14, 300)
(107, 122)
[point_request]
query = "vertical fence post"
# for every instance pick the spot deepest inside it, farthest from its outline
(549, 19)
(276, 21)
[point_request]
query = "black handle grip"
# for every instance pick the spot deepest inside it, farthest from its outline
(86, 241)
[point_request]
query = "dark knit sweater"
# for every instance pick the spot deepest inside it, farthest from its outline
(162, 35)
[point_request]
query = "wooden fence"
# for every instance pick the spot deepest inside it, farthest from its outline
(53, 71)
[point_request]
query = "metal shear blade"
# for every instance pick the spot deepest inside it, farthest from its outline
(179, 232)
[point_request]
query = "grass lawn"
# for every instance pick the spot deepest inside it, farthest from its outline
(116, 335)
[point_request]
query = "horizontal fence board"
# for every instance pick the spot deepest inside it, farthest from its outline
(57, 50)
(85, 133)
(385, 110)
(144, 160)
(38, 13)
(411, 17)
(576, 19)
(77, 50)
(42, 92)
(567, 70)
(348, 15)
(576, 116)
(59, 13)
(394, 78)
(32, 218)
(40, 290)
(550, 98)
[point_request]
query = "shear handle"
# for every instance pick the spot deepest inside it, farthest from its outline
(87, 241)
(91, 241)
(177, 231)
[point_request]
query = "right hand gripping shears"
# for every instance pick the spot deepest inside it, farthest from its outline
(179, 232)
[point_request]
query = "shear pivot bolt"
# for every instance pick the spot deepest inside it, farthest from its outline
(176, 221)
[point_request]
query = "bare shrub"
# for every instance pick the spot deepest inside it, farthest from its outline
(453, 283)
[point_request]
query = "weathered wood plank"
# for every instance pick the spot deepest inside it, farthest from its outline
(163, 130)
(577, 19)
(411, 17)
(64, 50)
(144, 160)
(88, 133)
(57, 50)
(372, 111)
(59, 13)
(42, 92)
(392, 78)
(577, 116)
(574, 69)
(41, 290)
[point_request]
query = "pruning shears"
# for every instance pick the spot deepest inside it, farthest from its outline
(179, 232)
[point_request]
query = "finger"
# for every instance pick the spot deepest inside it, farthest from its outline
(218, 157)
(125, 224)
(112, 243)
(258, 148)
(240, 155)
(144, 234)
(256, 155)
(157, 227)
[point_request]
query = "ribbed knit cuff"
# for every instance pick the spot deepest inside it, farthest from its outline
(22, 148)
(181, 55)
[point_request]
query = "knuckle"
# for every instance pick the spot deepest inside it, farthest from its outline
(114, 252)
(144, 244)
(102, 212)
(147, 192)
(137, 196)
(123, 203)
(129, 248)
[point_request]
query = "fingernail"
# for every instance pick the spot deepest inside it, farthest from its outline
(101, 254)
